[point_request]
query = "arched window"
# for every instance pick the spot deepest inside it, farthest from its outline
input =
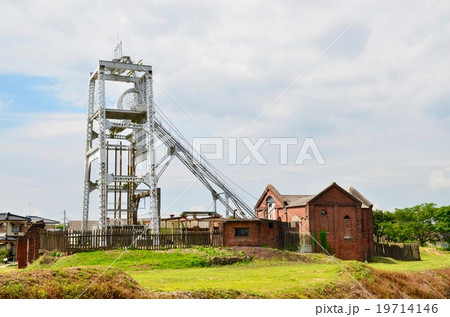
(295, 221)
(270, 208)
(324, 220)
(347, 227)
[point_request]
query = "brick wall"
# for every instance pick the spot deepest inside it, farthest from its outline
(28, 245)
(348, 239)
(261, 232)
(299, 214)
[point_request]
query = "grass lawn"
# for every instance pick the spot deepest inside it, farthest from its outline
(190, 270)
(430, 259)
(4, 268)
(136, 260)
(276, 279)
(266, 279)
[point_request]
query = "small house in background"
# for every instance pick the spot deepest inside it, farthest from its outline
(340, 220)
(190, 220)
(49, 223)
(76, 224)
(11, 227)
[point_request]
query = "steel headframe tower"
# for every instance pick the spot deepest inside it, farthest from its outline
(129, 130)
(125, 131)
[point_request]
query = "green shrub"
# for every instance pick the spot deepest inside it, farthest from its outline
(4, 254)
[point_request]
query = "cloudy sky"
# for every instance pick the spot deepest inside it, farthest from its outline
(368, 81)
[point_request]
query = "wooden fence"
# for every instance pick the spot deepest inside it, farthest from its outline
(294, 241)
(398, 251)
(107, 239)
(51, 240)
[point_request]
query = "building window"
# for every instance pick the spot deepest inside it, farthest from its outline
(295, 221)
(270, 225)
(270, 208)
(347, 227)
(241, 232)
(16, 229)
(324, 221)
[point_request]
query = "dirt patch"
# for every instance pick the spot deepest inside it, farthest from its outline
(227, 260)
(69, 283)
(433, 251)
(281, 255)
(205, 294)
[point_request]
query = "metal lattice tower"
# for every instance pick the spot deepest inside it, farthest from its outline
(128, 131)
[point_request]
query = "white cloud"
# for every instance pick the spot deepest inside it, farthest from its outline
(54, 126)
(369, 102)
(440, 180)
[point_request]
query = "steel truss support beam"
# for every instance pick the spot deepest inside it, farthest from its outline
(151, 153)
(87, 167)
(126, 66)
(102, 143)
(207, 176)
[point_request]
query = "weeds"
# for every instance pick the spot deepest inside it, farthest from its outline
(69, 283)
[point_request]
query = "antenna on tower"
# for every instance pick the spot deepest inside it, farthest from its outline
(118, 54)
(118, 51)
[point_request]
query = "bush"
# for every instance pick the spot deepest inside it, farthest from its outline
(4, 254)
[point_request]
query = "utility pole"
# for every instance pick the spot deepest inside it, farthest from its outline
(64, 220)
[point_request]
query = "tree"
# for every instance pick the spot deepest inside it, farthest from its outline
(381, 223)
(61, 227)
(442, 219)
(421, 223)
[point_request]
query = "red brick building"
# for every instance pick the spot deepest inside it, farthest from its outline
(250, 232)
(342, 218)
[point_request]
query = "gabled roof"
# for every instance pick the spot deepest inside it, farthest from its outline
(271, 188)
(45, 220)
(12, 217)
(302, 200)
(291, 200)
(365, 202)
(333, 184)
(297, 200)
